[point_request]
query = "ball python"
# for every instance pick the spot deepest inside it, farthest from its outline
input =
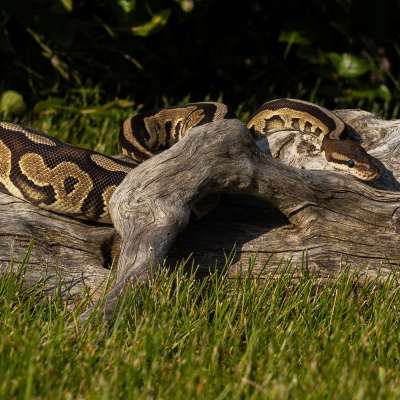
(335, 136)
(77, 182)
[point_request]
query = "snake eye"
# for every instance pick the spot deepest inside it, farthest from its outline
(350, 163)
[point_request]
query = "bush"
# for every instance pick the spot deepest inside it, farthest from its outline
(342, 52)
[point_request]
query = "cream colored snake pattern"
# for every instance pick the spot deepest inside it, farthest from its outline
(70, 180)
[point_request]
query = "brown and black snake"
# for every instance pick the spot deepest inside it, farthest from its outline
(77, 182)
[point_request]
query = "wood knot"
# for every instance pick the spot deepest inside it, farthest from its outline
(395, 221)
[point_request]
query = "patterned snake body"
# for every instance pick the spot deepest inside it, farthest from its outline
(78, 182)
(335, 135)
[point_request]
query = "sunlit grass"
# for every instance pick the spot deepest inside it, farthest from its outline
(84, 118)
(214, 338)
(187, 338)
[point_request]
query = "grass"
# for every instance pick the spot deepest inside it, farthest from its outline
(209, 339)
(81, 118)
(213, 339)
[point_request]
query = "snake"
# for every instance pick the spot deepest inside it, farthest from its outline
(336, 138)
(77, 182)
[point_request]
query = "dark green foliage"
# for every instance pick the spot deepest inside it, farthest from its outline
(343, 52)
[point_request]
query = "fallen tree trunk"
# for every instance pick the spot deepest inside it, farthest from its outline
(61, 251)
(269, 211)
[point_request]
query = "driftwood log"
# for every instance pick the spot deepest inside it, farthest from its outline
(269, 210)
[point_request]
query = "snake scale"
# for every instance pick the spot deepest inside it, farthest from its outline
(77, 182)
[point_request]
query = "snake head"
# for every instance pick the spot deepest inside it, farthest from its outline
(348, 156)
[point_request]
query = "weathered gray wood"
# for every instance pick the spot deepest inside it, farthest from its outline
(64, 251)
(332, 218)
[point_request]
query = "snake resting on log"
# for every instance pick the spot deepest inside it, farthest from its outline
(77, 182)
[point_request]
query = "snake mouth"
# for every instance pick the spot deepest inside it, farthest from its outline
(365, 172)
(366, 176)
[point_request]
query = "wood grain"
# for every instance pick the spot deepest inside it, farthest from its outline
(270, 210)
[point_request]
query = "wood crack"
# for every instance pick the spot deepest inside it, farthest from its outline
(287, 212)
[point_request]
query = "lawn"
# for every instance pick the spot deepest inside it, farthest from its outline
(180, 337)
(216, 339)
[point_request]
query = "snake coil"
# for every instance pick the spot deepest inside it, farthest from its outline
(70, 180)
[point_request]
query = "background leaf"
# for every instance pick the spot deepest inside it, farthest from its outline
(293, 37)
(154, 25)
(348, 65)
(127, 5)
(68, 4)
(12, 103)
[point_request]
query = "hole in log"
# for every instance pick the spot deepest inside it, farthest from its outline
(236, 220)
(110, 250)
